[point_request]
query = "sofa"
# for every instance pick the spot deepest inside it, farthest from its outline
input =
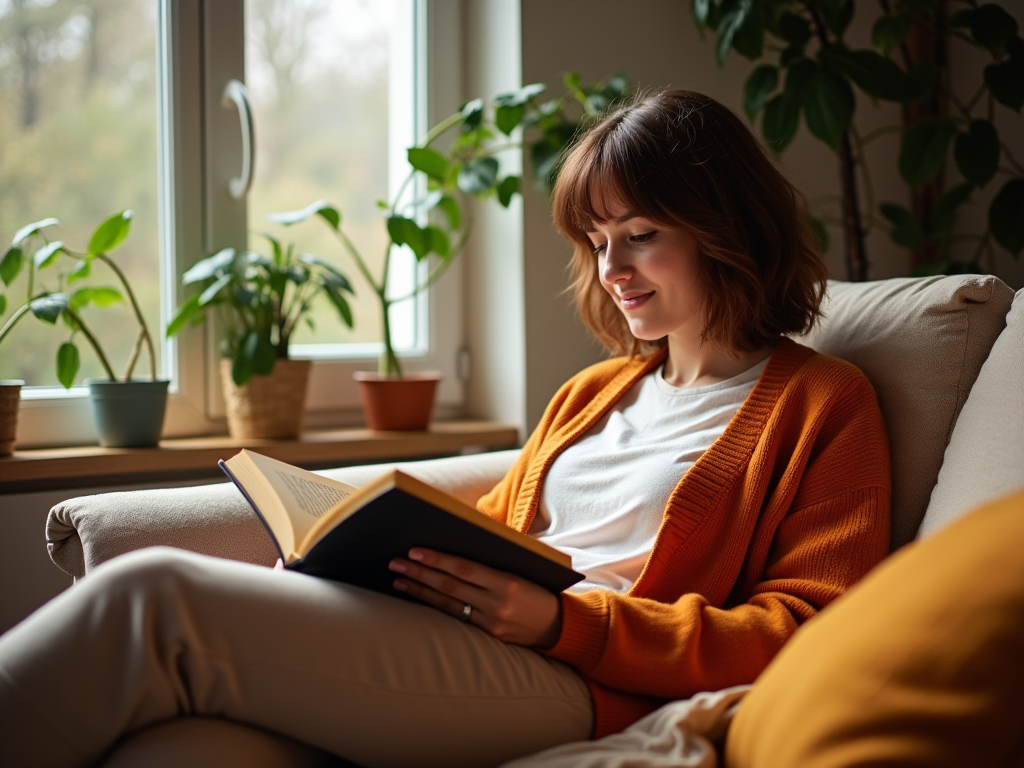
(946, 358)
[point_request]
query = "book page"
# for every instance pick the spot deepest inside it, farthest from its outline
(304, 496)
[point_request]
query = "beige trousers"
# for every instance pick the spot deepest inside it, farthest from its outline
(160, 634)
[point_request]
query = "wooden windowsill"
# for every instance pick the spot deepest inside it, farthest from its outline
(196, 457)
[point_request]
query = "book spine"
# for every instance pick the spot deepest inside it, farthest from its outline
(248, 498)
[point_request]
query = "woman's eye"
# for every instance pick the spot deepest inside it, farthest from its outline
(642, 238)
(596, 250)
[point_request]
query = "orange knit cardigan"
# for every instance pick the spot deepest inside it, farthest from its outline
(786, 510)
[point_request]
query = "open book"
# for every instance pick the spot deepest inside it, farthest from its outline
(337, 531)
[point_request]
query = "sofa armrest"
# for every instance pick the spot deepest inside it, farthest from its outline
(215, 520)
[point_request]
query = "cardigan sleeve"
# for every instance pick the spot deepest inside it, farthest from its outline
(833, 530)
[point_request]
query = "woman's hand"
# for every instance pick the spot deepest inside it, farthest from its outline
(510, 608)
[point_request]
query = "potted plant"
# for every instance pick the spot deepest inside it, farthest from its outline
(260, 301)
(429, 214)
(128, 412)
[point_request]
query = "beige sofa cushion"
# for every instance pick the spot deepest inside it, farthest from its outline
(985, 456)
(215, 520)
(921, 343)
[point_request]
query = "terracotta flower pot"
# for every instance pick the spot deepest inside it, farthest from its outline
(10, 402)
(393, 403)
(267, 406)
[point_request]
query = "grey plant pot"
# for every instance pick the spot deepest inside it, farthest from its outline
(128, 414)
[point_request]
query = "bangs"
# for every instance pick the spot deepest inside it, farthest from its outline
(598, 176)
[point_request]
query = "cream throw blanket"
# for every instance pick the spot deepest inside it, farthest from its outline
(683, 734)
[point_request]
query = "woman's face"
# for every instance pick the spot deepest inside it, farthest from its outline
(651, 272)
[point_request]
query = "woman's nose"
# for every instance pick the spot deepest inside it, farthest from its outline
(613, 267)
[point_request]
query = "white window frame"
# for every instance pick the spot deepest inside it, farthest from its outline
(201, 49)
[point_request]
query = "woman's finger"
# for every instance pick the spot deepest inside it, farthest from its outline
(443, 602)
(441, 582)
(462, 569)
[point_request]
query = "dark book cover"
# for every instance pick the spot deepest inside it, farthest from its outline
(358, 550)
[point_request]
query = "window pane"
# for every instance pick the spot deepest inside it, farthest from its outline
(78, 142)
(318, 78)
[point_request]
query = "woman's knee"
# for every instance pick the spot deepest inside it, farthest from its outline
(150, 573)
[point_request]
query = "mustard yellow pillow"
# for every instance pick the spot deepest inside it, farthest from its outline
(921, 664)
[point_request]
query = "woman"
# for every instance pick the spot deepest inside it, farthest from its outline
(717, 483)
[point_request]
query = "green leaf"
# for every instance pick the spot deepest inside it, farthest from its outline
(405, 231)
(700, 13)
(203, 270)
(828, 107)
(472, 112)
(992, 27)
(521, 96)
(10, 264)
(1006, 80)
(977, 152)
(264, 356)
(761, 82)
(837, 14)
(242, 364)
(507, 117)
(878, 76)
(110, 233)
(478, 175)
(336, 277)
(617, 86)
(429, 161)
(905, 230)
(780, 121)
(889, 32)
(213, 290)
(439, 242)
(184, 316)
(3, 303)
(450, 207)
(81, 271)
(544, 158)
(30, 229)
(794, 29)
(507, 189)
(923, 150)
(340, 304)
(101, 297)
(749, 38)
(943, 217)
(68, 362)
(320, 208)
(571, 80)
(48, 254)
(730, 25)
(50, 307)
(1006, 216)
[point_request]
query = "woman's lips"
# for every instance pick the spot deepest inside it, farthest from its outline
(635, 301)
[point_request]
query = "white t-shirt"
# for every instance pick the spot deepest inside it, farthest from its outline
(604, 496)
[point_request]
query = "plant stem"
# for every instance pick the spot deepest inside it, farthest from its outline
(444, 125)
(143, 329)
(77, 320)
(388, 364)
(13, 319)
(133, 357)
(853, 234)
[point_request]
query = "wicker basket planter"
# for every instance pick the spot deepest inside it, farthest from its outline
(10, 401)
(397, 403)
(267, 406)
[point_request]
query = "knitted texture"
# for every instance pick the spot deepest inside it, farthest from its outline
(786, 510)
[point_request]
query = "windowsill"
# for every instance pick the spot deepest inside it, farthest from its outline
(196, 457)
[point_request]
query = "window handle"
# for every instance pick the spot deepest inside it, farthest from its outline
(235, 93)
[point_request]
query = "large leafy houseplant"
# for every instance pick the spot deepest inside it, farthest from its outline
(813, 74)
(429, 212)
(128, 413)
(31, 250)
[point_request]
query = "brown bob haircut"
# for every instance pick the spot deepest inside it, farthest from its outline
(682, 159)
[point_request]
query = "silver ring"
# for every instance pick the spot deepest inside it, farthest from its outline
(467, 612)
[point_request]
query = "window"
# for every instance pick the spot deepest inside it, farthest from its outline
(338, 90)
